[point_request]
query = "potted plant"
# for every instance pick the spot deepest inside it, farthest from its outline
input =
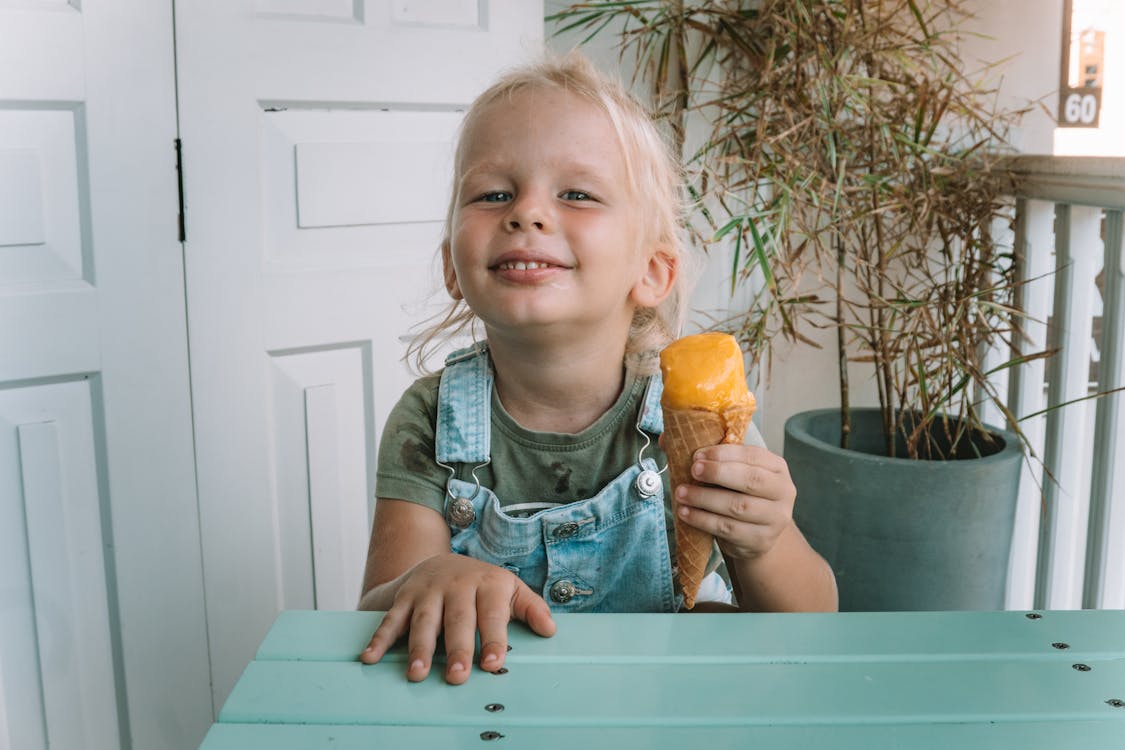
(853, 164)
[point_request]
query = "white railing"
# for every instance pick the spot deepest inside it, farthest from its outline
(1069, 549)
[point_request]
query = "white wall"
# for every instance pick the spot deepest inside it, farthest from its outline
(1027, 36)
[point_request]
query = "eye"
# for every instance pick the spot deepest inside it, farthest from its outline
(575, 195)
(495, 196)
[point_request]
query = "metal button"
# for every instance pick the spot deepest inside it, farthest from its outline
(648, 483)
(562, 592)
(462, 513)
(565, 530)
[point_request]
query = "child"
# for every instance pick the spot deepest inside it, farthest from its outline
(511, 478)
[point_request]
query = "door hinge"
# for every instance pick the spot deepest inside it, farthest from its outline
(180, 188)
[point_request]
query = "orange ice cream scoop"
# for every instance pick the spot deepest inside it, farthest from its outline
(705, 403)
(704, 371)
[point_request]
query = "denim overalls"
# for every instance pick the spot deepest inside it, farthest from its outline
(608, 553)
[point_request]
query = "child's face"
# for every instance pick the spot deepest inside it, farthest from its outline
(545, 231)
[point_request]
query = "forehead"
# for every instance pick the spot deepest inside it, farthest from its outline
(544, 123)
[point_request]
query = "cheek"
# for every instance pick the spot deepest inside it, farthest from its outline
(472, 239)
(612, 240)
(464, 246)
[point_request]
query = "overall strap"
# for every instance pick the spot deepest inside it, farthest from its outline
(651, 418)
(463, 433)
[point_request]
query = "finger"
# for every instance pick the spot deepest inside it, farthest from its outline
(460, 621)
(386, 635)
(746, 478)
(724, 527)
(529, 607)
(494, 612)
(749, 454)
(730, 504)
(424, 626)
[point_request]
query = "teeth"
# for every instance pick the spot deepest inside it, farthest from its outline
(521, 266)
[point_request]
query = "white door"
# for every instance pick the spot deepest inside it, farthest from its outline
(317, 138)
(102, 635)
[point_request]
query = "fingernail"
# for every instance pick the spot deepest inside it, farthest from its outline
(456, 667)
(491, 659)
(684, 512)
(416, 665)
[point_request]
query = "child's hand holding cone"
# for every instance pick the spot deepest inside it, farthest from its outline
(705, 403)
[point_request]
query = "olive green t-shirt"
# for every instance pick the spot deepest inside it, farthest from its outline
(526, 466)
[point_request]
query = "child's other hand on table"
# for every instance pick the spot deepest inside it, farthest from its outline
(459, 596)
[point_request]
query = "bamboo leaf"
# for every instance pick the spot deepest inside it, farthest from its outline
(762, 255)
(918, 16)
(736, 262)
(1051, 408)
(735, 223)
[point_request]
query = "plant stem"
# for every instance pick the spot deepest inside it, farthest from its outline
(842, 361)
(883, 359)
(677, 78)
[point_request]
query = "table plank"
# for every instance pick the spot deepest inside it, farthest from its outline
(1074, 735)
(705, 694)
(730, 638)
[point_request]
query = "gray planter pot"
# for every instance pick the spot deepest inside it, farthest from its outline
(902, 534)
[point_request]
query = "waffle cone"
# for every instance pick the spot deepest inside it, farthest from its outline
(685, 432)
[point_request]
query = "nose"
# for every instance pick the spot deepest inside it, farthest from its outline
(529, 211)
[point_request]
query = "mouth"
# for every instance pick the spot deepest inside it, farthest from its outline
(527, 260)
(528, 268)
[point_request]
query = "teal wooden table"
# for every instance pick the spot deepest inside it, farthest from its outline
(855, 680)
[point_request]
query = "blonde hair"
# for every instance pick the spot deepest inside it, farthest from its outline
(656, 183)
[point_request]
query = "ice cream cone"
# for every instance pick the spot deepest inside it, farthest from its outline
(705, 403)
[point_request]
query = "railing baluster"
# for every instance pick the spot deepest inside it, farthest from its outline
(1033, 243)
(1105, 566)
(1062, 534)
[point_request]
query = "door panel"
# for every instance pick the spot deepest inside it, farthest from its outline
(100, 576)
(354, 188)
(317, 141)
(321, 414)
(56, 669)
(40, 178)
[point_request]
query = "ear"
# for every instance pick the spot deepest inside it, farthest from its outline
(449, 272)
(657, 279)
